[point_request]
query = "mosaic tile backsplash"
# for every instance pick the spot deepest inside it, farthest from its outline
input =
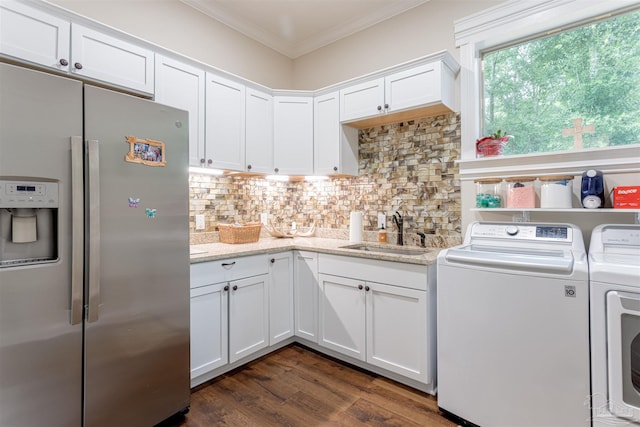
(406, 167)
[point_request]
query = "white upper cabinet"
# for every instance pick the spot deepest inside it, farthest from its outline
(335, 146)
(293, 135)
(259, 128)
(225, 123)
(362, 100)
(182, 86)
(420, 90)
(109, 59)
(34, 36)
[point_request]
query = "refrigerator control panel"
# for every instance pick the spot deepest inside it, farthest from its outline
(28, 194)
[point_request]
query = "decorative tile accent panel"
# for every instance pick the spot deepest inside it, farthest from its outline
(407, 167)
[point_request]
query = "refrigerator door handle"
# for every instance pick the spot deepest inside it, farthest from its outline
(94, 230)
(77, 230)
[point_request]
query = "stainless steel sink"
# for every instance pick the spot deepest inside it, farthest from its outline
(388, 250)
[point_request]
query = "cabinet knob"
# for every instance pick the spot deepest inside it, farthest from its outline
(249, 167)
(226, 288)
(379, 107)
(64, 62)
(276, 170)
(209, 161)
(78, 66)
(335, 169)
(360, 286)
(366, 288)
(202, 161)
(386, 106)
(235, 287)
(272, 260)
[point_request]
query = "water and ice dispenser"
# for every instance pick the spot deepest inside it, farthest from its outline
(28, 221)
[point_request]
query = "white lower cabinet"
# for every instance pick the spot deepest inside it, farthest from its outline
(248, 316)
(209, 339)
(280, 297)
(305, 290)
(383, 324)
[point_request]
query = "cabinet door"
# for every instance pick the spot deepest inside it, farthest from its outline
(362, 100)
(259, 128)
(181, 86)
(225, 123)
(99, 56)
(306, 295)
(413, 88)
(209, 345)
(342, 315)
(397, 330)
(293, 135)
(248, 316)
(31, 35)
(280, 297)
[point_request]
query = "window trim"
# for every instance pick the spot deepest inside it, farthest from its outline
(505, 24)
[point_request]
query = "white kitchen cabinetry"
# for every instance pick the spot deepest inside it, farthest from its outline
(182, 86)
(281, 324)
(416, 91)
(259, 131)
(389, 325)
(35, 36)
(306, 295)
(229, 313)
(335, 146)
(225, 123)
(293, 135)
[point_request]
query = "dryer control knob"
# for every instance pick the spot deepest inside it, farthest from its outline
(511, 230)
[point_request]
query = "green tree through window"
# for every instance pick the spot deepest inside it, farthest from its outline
(534, 90)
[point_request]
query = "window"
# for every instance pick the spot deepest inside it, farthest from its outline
(537, 89)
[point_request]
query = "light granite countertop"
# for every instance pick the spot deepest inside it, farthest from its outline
(217, 251)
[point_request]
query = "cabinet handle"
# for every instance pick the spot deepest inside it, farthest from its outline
(226, 288)
(209, 161)
(366, 288)
(64, 62)
(228, 264)
(78, 66)
(235, 287)
(379, 107)
(335, 169)
(386, 106)
(248, 167)
(276, 170)
(360, 286)
(202, 161)
(272, 260)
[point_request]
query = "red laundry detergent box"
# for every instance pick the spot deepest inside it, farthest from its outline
(627, 197)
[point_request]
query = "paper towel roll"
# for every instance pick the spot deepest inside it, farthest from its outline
(355, 227)
(23, 229)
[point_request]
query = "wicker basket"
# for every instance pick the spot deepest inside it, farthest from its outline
(246, 233)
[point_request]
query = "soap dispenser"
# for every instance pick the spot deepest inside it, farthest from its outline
(382, 235)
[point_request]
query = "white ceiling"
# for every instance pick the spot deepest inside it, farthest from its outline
(297, 27)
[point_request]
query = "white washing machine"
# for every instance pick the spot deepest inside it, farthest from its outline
(513, 326)
(614, 263)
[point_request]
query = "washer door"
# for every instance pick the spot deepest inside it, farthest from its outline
(623, 351)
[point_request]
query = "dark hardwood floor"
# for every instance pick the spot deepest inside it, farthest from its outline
(296, 386)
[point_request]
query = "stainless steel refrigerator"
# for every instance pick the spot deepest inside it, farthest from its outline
(94, 255)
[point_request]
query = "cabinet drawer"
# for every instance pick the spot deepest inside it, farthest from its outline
(225, 270)
(411, 276)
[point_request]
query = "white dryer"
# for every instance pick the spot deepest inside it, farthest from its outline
(513, 326)
(614, 270)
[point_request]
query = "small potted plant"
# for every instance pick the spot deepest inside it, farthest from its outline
(493, 144)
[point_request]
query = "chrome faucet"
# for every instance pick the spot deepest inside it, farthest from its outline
(423, 237)
(397, 219)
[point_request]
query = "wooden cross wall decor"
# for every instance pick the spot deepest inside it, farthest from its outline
(577, 130)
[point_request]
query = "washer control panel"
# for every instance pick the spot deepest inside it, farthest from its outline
(523, 231)
(28, 194)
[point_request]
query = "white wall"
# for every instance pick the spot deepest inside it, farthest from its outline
(420, 31)
(173, 25)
